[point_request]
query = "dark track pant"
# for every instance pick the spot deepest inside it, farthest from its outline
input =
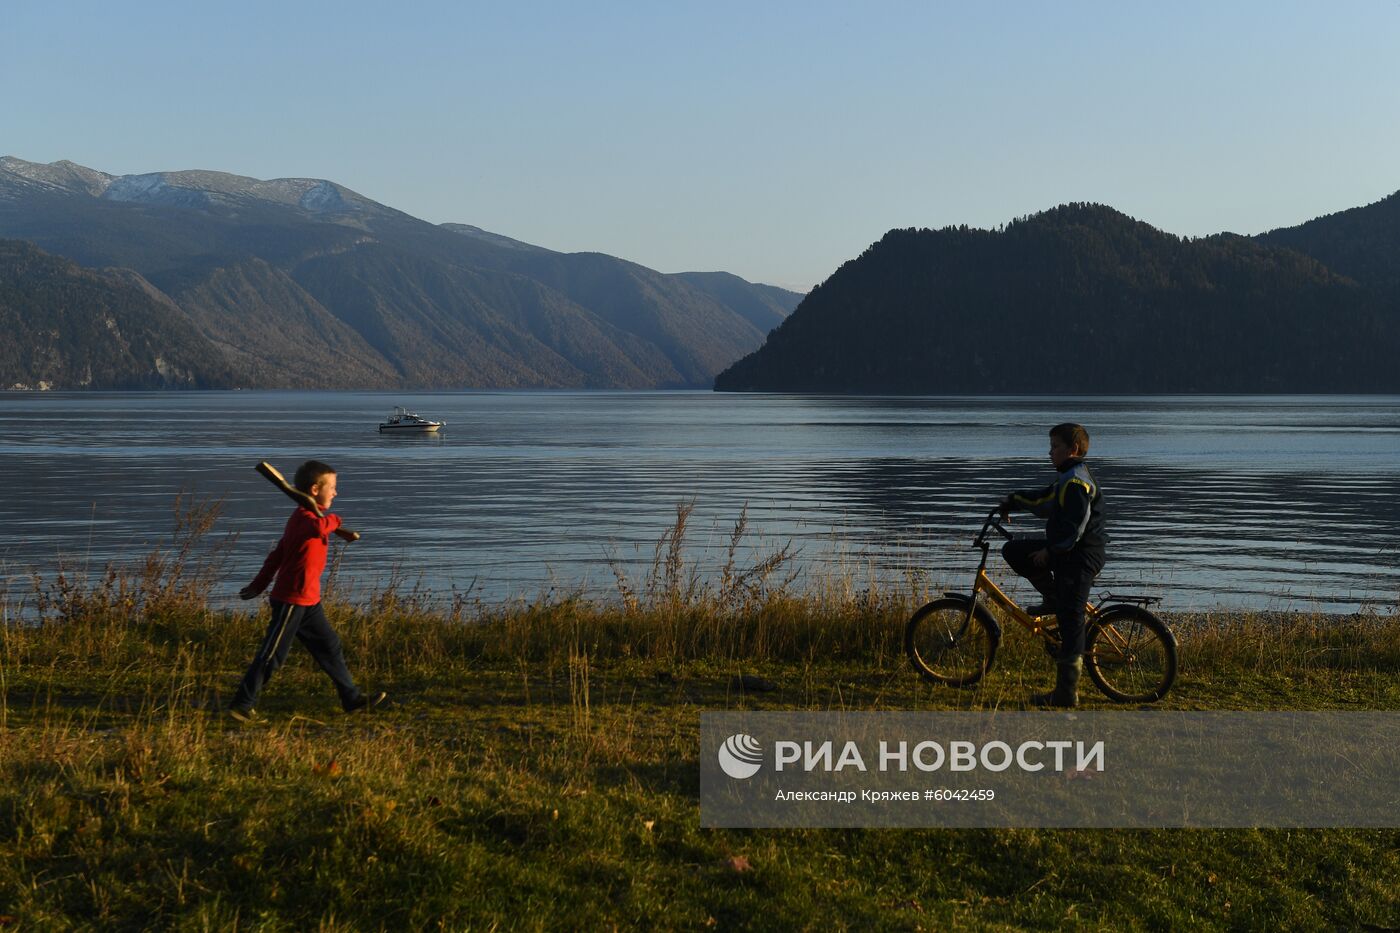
(1065, 581)
(309, 625)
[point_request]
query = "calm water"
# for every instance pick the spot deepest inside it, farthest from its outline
(1277, 502)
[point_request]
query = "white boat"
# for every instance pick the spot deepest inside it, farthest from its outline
(403, 421)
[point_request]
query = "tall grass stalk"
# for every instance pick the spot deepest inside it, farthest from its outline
(539, 770)
(156, 610)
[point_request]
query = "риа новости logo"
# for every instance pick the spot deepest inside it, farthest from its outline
(740, 756)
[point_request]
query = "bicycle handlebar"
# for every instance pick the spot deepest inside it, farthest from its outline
(992, 521)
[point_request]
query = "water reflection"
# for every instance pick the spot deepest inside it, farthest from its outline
(1241, 537)
(1242, 501)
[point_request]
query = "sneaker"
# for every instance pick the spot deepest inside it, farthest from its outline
(366, 701)
(1041, 609)
(244, 715)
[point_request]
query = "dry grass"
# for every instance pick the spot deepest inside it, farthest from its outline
(539, 770)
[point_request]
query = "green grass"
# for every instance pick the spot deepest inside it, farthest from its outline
(538, 769)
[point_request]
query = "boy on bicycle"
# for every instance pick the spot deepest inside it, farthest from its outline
(1062, 565)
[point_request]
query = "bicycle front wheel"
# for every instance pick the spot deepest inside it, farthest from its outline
(949, 644)
(1130, 654)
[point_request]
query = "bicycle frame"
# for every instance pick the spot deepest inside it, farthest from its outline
(1129, 653)
(1046, 627)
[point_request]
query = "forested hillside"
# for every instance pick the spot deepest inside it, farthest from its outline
(300, 282)
(1080, 298)
(66, 326)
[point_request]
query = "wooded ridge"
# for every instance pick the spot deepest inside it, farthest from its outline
(1084, 299)
(305, 283)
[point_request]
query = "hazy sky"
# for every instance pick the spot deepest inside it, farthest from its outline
(772, 140)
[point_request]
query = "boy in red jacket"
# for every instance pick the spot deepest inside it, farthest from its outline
(297, 563)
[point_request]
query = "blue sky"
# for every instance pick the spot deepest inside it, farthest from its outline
(772, 140)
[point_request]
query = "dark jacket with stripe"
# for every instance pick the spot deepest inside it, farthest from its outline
(1072, 507)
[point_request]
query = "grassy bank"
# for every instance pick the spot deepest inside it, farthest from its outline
(538, 769)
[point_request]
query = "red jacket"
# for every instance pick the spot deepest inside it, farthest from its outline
(299, 559)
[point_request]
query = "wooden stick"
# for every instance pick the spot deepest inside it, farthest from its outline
(275, 477)
(296, 495)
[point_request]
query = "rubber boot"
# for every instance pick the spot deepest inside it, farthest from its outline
(1066, 692)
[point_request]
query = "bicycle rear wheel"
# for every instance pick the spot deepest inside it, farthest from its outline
(1130, 654)
(949, 645)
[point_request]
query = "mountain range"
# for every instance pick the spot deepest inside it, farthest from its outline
(1084, 299)
(221, 280)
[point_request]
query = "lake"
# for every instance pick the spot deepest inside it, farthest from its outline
(1262, 502)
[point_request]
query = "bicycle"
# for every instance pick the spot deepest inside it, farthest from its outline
(1129, 653)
